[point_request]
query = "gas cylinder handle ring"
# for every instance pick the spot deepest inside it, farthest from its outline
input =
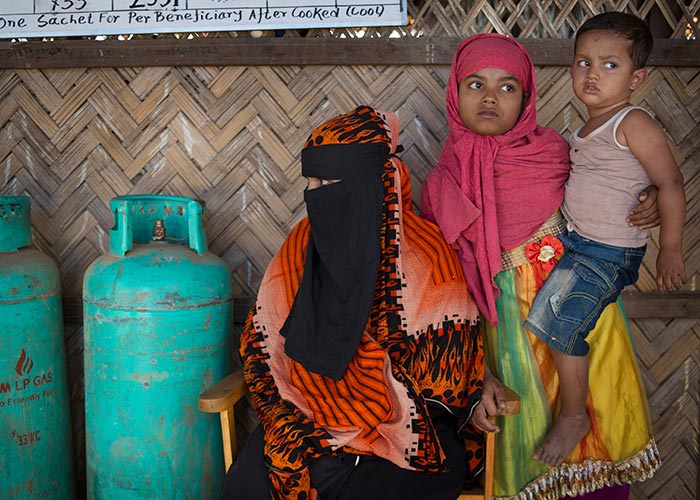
(136, 216)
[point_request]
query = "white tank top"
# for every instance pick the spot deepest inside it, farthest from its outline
(603, 185)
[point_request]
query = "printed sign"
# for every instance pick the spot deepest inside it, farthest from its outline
(48, 18)
(27, 386)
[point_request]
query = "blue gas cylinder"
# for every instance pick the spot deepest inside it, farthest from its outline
(157, 325)
(36, 459)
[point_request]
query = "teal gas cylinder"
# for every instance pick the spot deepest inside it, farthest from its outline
(36, 445)
(157, 324)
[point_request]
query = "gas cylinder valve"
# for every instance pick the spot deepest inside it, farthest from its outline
(158, 230)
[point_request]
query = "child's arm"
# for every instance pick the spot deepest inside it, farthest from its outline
(647, 141)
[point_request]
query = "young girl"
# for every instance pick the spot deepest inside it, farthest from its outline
(496, 189)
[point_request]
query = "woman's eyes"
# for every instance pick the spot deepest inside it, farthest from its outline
(475, 85)
(315, 182)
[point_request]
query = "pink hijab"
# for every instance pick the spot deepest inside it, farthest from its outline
(489, 194)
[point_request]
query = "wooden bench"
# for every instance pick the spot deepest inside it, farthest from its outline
(222, 397)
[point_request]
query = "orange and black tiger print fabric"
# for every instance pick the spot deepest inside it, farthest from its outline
(362, 126)
(422, 343)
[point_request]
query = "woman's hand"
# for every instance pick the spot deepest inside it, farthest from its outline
(493, 402)
(646, 214)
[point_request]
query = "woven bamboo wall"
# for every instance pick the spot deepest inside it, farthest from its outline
(72, 139)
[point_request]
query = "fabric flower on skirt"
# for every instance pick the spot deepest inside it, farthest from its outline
(545, 252)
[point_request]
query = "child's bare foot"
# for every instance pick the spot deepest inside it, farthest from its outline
(562, 439)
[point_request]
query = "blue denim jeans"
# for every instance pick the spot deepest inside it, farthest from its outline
(588, 277)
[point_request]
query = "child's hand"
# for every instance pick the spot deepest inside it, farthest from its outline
(670, 270)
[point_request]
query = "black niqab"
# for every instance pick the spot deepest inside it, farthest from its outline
(335, 297)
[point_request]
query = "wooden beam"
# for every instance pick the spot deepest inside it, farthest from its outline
(637, 306)
(662, 306)
(290, 51)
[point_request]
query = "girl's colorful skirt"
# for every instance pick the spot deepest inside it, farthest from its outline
(618, 450)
